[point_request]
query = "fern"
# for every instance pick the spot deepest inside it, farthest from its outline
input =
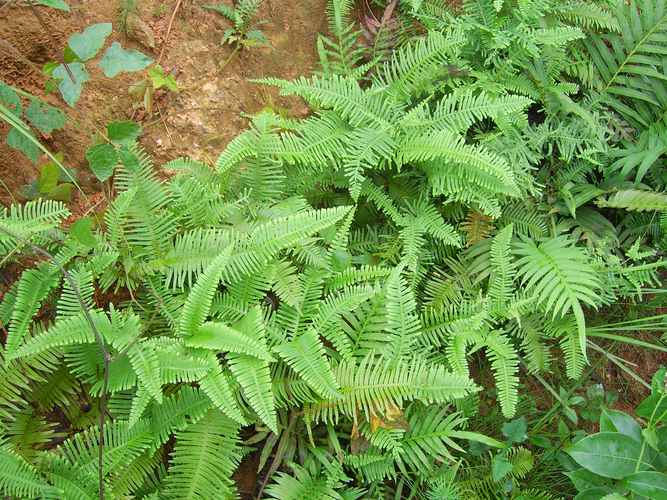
(305, 355)
(203, 459)
(505, 365)
(635, 200)
(561, 276)
(199, 301)
(626, 62)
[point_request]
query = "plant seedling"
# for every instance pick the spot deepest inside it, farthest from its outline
(155, 79)
(244, 32)
(52, 183)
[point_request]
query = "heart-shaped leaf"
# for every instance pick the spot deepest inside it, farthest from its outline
(44, 117)
(18, 140)
(117, 60)
(89, 42)
(69, 87)
(125, 132)
(102, 159)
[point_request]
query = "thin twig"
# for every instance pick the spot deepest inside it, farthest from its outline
(166, 37)
(164, 122)
(47, 29)
(98, 338)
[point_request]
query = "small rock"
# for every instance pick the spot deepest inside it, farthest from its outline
(138, 30)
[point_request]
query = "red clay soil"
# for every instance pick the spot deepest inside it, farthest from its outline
(198, 121)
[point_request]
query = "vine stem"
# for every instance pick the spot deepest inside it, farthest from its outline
(166, 37)
(650, 424)
(98, 338)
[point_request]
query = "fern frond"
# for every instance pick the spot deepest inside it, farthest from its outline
(561, 276)
(69, 331)
(503, 269)
(402, 323)
(255, 378)
(216, 385)
(372, 385)
(29, 221)
(220, 337)
(635, 200)
(31, 290)
(146, 365)
(483, 168)
(18, 478)
(505, 366)
(198, 304)
(345, 96)
(204, 457)
(416, 64)
(627, 62)
(305, 355)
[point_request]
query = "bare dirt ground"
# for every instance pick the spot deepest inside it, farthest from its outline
(199, 120)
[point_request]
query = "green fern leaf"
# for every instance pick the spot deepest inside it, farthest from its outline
(220, 337)
(146, 365)
(217, 387)
(505, 366)
(20, 479)
(503, 269)
(204, 457)
(255, 378)
(305, 355)
(198, 304)
(635, 200)
(561, 276)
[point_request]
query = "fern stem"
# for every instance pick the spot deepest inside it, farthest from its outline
(236, 49)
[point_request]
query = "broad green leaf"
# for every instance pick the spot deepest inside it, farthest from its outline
(124, 133)
(117, 60)
(584, 480)
(651, 437)
(48, 178)
(617, 421)
(89, 42)
(515, 431)
(608, 454)
(102, 159)
(62, 192)
(82, 231)
(55, 4)
(69, 56)
(19, 141)
(477, 438)
(71, 90)
(44, 117)
(655, 404)
(650, 484)
(161, 79)
(10, 99)
(593, 494)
